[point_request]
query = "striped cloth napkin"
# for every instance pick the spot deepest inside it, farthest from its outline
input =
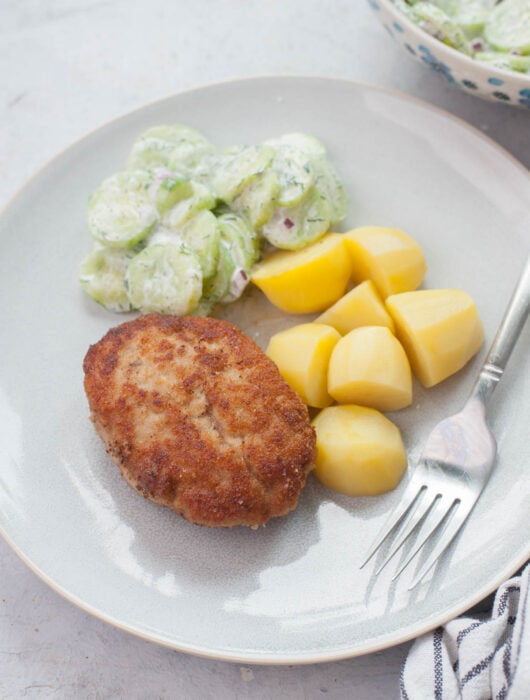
(476, 658)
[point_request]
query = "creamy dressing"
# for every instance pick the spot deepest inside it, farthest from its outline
(189, 221)
(238, 283)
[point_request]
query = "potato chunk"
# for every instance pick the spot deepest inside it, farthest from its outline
(307, 280)
(360, 452)
(302, 354)
(389, 257)
(440, 330)
(361, 306)
(369, 366)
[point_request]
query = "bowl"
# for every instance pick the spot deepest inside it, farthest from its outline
(472, 76)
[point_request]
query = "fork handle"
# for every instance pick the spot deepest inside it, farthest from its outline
(511, 326)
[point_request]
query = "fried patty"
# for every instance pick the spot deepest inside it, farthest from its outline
(199, 419)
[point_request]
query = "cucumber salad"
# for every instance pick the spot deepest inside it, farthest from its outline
(493, 31)
(179, 229)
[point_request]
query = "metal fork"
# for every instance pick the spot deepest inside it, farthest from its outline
(457, 459)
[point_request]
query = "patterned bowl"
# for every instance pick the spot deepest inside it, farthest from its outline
(488, 82)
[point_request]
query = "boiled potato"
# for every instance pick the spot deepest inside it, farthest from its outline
(302, 354)
(369, 366)
(440, 330)
(360, 452)
(307, 280)
(389, 257)
(361, 306)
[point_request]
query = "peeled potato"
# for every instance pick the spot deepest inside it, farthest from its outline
(369, 366)
(307, 280)
(360, 452)
(440, 330)
(389, 257)
(361, 306)
(302, 354)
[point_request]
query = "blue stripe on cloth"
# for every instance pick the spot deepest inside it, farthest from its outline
(438, 663)
(503, 599)
(463, 633)
(402, 688)
(476, 658)
(477, 669)
(523, 607)
(506, 663)
(460, 638)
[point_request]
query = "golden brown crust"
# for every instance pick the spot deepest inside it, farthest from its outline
(198, 418)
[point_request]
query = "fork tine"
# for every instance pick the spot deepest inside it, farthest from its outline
(411, 494)
(423, 508)
(441, 508)
(449, 532)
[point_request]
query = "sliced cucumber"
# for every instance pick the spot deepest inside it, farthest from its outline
(404, 6)
(438, 24)
(329, 185)
(306, 154)
(295, 174)
(201, 234)
(217, 287)
(257, 201)
(304, 142)
(165, 278)
(195, 162)
(295, 227)
(472, 15)
(448, 6)
(187, 154)
(508, 28)
(242, 239)
(239, 249)
(168, 189)
(240, 169)
(228, 284)
(162, 234)
(121, 212)
(102, 276)
(178, 215)
(155, 147)
(508, 61)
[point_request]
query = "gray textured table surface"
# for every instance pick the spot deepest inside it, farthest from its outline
(66, 67)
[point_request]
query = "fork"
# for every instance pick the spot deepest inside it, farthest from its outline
(457, 459)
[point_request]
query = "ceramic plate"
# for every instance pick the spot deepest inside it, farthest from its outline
(291, 592)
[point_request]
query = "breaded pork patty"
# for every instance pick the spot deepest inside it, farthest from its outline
(199, 419)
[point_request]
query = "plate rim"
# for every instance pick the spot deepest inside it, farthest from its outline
(260, 658)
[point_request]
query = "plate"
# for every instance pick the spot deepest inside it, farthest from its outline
(291, 592)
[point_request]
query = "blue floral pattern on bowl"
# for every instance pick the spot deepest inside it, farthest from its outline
(435, 64)
(458, 70)
(525, 97)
